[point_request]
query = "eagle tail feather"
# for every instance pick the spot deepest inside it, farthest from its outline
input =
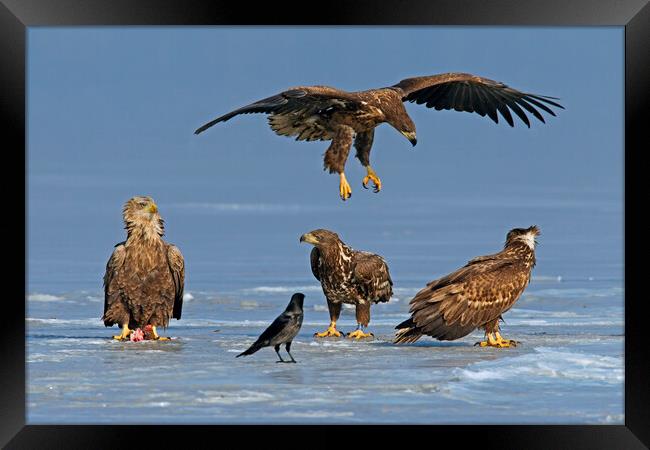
(407, 332)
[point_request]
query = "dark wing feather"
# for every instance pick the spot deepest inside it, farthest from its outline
(267, 105)
(113, 265)
(276, 328)
(471, 93)
(177, 268)
(301, 111)
(372, 276)
(454, 305)
(314, 258)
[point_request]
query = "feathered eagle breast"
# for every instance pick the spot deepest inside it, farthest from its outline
(144, 279)
(474, 296)
(312, 113)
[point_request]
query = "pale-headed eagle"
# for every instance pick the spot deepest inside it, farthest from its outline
(347, 276)
(145, 275)
(474, 296)
(324, 113)
(282, 331)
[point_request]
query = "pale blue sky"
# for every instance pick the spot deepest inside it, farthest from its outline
(111, 114)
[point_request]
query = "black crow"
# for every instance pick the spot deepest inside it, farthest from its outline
(283, 329)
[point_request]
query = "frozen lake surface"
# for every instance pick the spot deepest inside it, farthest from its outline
(570, 321)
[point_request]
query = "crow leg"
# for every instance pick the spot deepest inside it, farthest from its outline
(288, 347)
(277, 350)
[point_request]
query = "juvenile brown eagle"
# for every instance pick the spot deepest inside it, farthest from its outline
(474, 296)
(143, 283)
(347, 276)
(328, 114)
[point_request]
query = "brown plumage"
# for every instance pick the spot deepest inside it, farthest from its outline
(474, 296)
(144, 279)
(324, 113)
(347, 276)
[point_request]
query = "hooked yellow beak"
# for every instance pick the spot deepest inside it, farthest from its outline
(153, 208)
(309, 238)
(411, 137)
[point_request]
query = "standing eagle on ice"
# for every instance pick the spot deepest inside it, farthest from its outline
(346, 118)
(145, 275)
(474, 296)
(347, 276)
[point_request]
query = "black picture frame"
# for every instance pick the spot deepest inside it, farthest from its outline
(17, 15)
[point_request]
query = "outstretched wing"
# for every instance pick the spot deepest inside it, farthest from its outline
(475, 294)
(113, 266)
(303, 111)
(177, 268)
(372, 276)
(471, 93)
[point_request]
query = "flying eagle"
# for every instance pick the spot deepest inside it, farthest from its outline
(474, 296)
(282, 331)
(143, 283)
(347, 276)
(328, 114)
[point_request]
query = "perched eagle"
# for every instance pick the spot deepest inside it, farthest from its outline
(347, 276)
(143, 283)
(324, 113)
(283, 330)
(474, 296)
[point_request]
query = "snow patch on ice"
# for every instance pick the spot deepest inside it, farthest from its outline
(281, 289)
(232, 398)
(38, 297)
(547, 363)
(75, 322)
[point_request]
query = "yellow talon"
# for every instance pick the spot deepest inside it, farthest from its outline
(497, 342)
(359, 334)
(331, 331)
(124, 334)
(372, 176)
(501, 342)
(344, 188)
(156, 337)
